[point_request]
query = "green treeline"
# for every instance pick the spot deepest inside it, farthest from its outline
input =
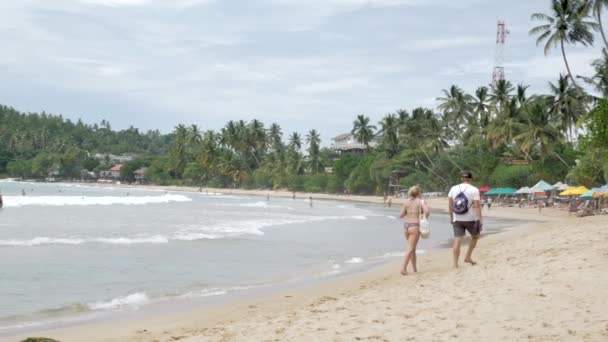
(561, 134)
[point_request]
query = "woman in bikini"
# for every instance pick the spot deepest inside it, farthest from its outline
(411, 210)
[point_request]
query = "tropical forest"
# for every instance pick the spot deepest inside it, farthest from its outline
(503, 133)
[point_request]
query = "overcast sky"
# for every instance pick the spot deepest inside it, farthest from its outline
(301, 63)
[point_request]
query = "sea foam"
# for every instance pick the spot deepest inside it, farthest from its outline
(131, 300)
(20, 201)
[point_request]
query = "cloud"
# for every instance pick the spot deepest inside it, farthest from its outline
(132, 3)
(445, 43)
(541, 67)
(115, 3)
(333, 85)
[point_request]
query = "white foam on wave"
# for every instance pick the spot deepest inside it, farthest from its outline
(20, 201)
(130, 241)
(258, 204)
(132, 300)
(184, 233)
(38, 241)
(355, 260)
(400, 254)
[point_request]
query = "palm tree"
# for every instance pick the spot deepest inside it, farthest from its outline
(295, 141)
(566, 104)
(456, 106)
(363, 131)
(314, 156)
(179, 155)
(599, 80)
(389, 127)
(567, 25)
(507, 125)
(596, 7)
(539, 135)
(520, 94)
(500, 94)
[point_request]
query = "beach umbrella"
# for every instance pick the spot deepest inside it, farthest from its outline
(568, 191)
(524, 190)
(484, 189)
(588, 194)
(535, 190)
(543, 185)
(574, 191)
(557, 185)
(501, 191)
(563, 187)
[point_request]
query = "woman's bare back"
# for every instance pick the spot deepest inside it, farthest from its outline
(411, 209)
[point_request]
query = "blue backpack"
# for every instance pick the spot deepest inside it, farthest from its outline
(461, 203)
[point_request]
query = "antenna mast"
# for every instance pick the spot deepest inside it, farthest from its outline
(499, 58)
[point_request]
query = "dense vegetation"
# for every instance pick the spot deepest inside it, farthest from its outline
(561, 135)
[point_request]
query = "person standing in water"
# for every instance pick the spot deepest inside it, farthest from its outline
(1, 202)
(413, 208)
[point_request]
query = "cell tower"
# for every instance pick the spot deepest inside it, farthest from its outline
(499, 58)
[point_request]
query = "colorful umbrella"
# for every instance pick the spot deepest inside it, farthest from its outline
(574, 191)
(484, 189)
(543, 185)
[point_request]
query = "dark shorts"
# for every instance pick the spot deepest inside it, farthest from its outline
(470, 226)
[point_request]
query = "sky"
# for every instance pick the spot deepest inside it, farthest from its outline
(303, 64)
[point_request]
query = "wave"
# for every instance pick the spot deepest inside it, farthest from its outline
(131, 300)
(20, 201)
(38, 241)
(184, 233)
(399, 254)
(355, 260)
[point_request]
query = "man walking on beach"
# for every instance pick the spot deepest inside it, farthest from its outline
(465, 214)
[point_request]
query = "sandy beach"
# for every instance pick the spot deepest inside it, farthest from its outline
(544, 280)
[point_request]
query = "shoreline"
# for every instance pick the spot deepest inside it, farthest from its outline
(222, 321)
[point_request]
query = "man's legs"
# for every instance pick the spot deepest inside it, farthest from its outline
(472, 245)
(456, 250)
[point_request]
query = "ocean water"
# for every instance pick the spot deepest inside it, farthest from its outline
(70, 252)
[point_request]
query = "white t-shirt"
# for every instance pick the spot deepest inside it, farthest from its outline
(472, 194)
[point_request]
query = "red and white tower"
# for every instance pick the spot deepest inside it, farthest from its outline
(499, 58)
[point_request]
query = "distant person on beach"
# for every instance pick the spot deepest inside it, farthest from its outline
(465, 215)
(411, 210)
(1, 202)
(389, 202)
(310, 200)
(293, 195)
(489, 202)
(22, 192)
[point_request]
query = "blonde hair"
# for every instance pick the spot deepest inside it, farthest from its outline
(414, 192)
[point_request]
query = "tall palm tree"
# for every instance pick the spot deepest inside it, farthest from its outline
(596, 7)
(363, 131)
(520, 94)
(179, 154)
(566, 104)
(456, 107)
(599, 80)
(539, 135)
(506, 125)
(314, 151)
(389, 128)
(295, 141)
(500, 94)
(566, 26)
